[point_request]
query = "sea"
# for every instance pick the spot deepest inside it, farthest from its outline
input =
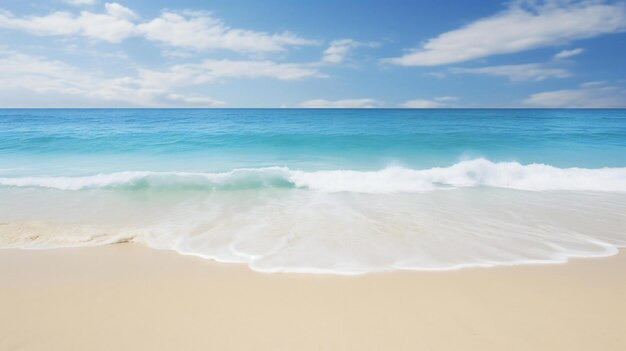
(338, 191)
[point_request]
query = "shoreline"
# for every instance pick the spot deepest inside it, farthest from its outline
(130, 297)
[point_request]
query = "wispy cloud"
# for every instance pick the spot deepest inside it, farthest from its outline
(213, 70)
(202, 31)
(186, 29)
(446, 98)
(147, 87)
(438, 102)
(523, 72)
(349, 103)
(42, 76)
(339, 50)
(568, 53)
(524, 25)
(590, 95)
(80, 2)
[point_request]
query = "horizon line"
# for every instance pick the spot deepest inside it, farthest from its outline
(312, 108)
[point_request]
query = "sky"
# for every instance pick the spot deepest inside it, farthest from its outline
(322, 53)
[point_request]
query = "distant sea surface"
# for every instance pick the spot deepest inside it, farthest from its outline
(343, 191)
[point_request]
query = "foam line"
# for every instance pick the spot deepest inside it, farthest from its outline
(472, 173)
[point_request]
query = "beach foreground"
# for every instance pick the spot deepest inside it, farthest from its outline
(128, 297)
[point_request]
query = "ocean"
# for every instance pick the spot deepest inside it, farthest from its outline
(342, 191)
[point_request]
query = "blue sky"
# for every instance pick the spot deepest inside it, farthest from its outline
(323, 53)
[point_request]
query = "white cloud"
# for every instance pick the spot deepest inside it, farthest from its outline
(524, 72)
(32, 73)
(339, 49)
(423, 103)
(192, 100)
(147, 87)
(597, 83)
(568, 53)
(80, 2)
(41, 76)
(524, 25)
(591, 95)
(114, 25)
(189, 30)
(446, 98)
(213, 70)
(118, 11)
(349, 103)
(200, 31)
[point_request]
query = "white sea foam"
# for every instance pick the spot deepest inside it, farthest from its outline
(478, 172)
(295, 230)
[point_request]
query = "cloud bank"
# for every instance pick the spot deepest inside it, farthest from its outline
(587, 95)
(349, 103)
(147, 87)
(438, 102)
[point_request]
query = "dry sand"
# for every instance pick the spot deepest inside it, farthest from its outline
(126, 297)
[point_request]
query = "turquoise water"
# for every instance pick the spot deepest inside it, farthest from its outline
(319, 190)
(58, 141)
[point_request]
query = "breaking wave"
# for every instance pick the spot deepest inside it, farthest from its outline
(472, 173)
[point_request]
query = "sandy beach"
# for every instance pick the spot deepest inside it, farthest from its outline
(312, 175)
(125, 297)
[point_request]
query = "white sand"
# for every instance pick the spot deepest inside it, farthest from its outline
(125, 297)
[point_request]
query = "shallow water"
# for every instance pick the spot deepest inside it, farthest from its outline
(337, 191)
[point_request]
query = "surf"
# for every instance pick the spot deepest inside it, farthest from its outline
(468, 173)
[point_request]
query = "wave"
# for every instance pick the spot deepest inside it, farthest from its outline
(339, 233)
(471, 173)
